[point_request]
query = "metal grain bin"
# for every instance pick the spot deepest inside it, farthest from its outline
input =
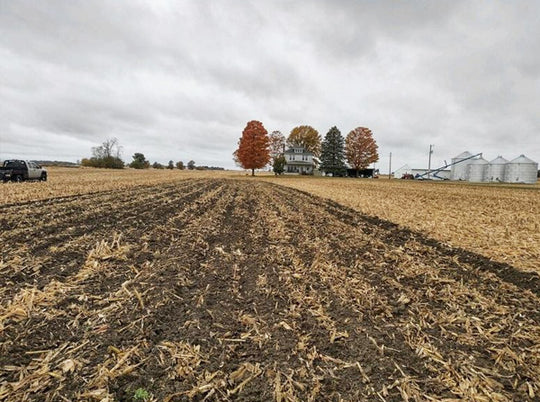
(521, 170)
(459, 171)
(476, 170)
(496, 169)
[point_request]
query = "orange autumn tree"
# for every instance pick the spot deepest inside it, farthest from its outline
(253, 147)
(307, 137)
(361, 148)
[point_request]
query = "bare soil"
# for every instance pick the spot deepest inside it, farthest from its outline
(217, 289)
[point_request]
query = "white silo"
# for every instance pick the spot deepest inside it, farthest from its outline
(521, 170)
(495, 169)
(476, 170)
(459, 170)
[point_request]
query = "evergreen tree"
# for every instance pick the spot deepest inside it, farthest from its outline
(332, 153)
(278, 164)
(139, 161)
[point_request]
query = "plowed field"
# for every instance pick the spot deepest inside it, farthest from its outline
(236, 290)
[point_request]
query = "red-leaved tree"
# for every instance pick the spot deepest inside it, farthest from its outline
(253, 148)
(361, 148)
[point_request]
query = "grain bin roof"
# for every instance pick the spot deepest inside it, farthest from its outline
(465, 154)
(522, 159)
(499, 160)
(404, 167)
(478, 161)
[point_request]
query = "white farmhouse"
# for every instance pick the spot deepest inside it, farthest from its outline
(300, 161)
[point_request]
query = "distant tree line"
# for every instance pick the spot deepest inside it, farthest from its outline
(257, 149)
(108, 155)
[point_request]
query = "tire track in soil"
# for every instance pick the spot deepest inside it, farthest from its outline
(227, 273)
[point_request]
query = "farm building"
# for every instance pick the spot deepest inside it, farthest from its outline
(407, 170)
(521, 170)
(476, 170)
(399, 173)
(459, 168)
(365, 173)
(495, 169)
(439, 175)
(300, 161)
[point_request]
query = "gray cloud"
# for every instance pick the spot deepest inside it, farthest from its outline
(179, 80)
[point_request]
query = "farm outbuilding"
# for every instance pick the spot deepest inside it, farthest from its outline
(434, 175)
(495, 169)
(369, 172)
(521, 170)
(405, 169)
(459, 169)
(476, 170)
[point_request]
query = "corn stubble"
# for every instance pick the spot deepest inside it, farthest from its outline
(219, 289)
(501, 222)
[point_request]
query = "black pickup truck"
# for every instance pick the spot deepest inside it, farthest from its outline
(19, 170)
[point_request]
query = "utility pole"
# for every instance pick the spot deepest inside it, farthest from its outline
(390, 166)
(429, 162)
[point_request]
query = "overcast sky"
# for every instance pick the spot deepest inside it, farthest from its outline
(180, 79)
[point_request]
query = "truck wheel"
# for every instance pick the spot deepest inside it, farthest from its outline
(43, 177)
(18, 178)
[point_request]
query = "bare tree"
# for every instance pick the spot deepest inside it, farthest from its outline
(109, 149)
(106, 155)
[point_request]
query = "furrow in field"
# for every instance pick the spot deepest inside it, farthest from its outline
(459, 326)
(457, 257)
(249, 291)
(90, 307)
(60, 253)
(37, 217)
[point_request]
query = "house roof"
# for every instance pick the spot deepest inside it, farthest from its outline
(304, 152)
